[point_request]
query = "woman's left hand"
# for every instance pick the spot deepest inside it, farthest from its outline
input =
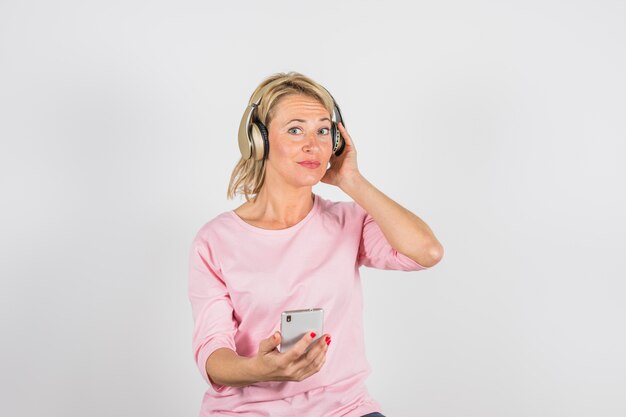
(342, 167)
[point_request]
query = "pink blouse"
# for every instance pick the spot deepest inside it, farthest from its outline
(241, 278)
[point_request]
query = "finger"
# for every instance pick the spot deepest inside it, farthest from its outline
(312, 357)
(320, 345)
(342, 129)
(308, 363)
(269, 344)
(299, 348)
(344, 133)
(316, 362)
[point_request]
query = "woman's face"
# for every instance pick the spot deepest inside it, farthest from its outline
(299, 131)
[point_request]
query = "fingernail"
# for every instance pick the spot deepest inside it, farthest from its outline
(327, 340)
(312, 334)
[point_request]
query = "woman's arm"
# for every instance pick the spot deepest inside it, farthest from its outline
(404, 231)
(226, 367)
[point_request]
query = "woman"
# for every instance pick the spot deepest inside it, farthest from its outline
(287, 249)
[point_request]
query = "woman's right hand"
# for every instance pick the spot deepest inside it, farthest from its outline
(294, 364)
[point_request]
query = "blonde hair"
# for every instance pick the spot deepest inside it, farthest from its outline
(248, 176)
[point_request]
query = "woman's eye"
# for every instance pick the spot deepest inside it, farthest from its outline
(324, 131)
(292, 129)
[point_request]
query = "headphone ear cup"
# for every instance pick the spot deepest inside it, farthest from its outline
(260, 138)
(338, 142)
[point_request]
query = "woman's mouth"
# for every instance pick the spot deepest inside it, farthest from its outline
(309, 164)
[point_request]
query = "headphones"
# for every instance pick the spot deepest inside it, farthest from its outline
(254, 136)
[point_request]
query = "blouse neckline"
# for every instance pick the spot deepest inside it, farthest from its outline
(276, 232)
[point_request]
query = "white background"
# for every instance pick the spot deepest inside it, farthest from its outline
(501, 124)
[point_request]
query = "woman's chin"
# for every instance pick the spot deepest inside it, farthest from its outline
(307, 180)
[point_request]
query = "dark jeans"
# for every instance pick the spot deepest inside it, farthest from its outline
(376, 414)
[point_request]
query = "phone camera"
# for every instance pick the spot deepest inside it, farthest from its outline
(288, 318)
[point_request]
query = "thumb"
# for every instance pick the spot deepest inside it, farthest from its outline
(271, 342)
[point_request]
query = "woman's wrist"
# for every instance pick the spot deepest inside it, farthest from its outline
(253, 368)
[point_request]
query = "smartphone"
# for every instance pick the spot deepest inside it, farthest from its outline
(294, 324)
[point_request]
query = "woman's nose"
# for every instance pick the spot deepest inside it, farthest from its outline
(312, 141)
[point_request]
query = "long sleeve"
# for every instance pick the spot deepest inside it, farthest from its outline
(376, 252)
(212, 309)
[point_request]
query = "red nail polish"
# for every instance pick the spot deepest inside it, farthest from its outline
(312, 334)
(327, 340)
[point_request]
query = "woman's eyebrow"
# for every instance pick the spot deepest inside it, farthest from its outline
(304, 121)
